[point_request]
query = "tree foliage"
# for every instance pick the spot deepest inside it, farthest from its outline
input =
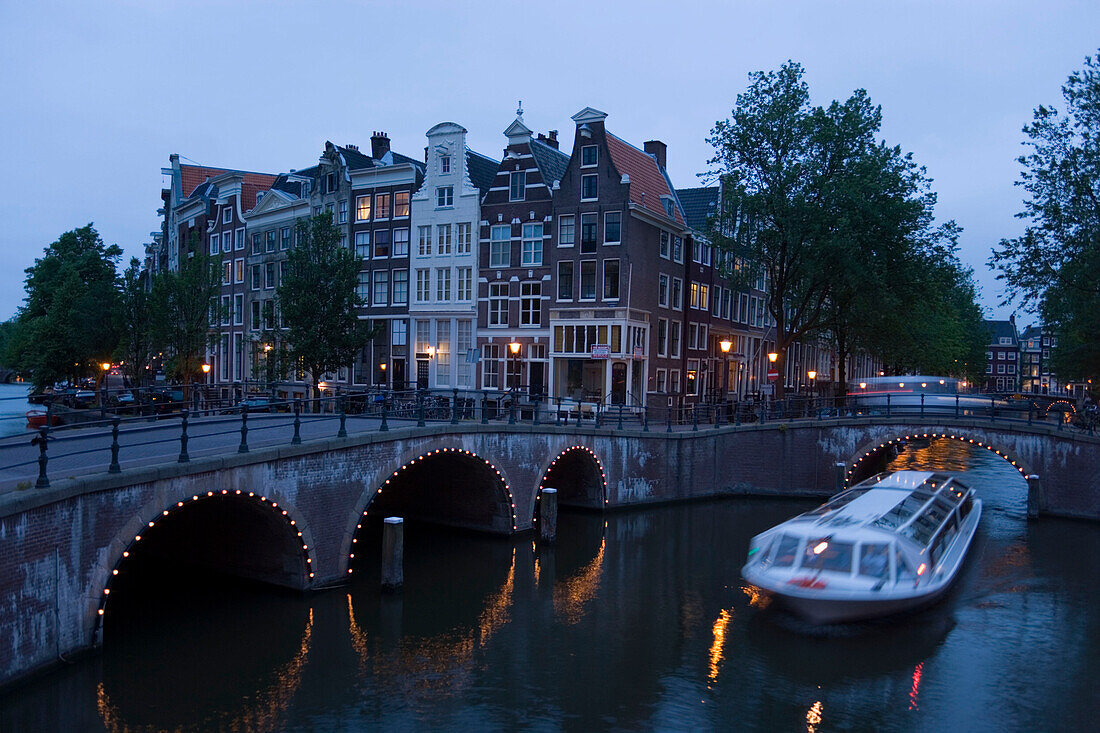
(183, 303)
(65, 327)
(835, 222)
(318, 300)
(134, 323)
(1053, 266)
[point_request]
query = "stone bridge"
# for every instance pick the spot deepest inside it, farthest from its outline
(294, 515)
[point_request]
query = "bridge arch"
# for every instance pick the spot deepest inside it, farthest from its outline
(579, 476)
(435, 476)
(268, 543)
(872, 449)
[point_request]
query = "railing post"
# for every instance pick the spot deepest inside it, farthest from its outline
(536, 416)
(243, 447)
(620, 417)
(43, 437)
(385, 409)
(922, 404)
(343, 431)
(557, 416)
(992, 408)
(737, 413)
(695, 417)
(645, 418)
(512, 407)
(887, 405)
(114, 467)
(419, 409)
(484, 408)
(454, 408)
(597, 415)
(183, 457)
(1029, 407)
(297, 439)
(668, 420)
(956, 404)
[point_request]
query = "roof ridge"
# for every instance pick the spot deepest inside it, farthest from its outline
(550, 148)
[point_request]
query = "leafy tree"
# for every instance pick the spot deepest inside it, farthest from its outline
(134, 322)
(65, 328)
(1053, 266)
(319, 302)
(7, 333)
(184, 303)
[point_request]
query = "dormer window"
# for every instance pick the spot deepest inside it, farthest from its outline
(668, 208)
(589, 155)
(259, 197)
(444, 164)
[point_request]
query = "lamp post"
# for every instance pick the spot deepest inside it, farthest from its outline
(813, 384)
(725, 345)
(513, 347)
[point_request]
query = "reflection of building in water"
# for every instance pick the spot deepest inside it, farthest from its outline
(442, 665)
(718, 645)
(261, 712)
(571, 595)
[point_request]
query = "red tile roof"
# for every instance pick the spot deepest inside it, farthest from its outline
(645, 177)
(252, 184)
(192, 175)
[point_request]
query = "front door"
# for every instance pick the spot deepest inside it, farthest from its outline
(618, 383)
(399, 374)
(536, 375)
(421, 373)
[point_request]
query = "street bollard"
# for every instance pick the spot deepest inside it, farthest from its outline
(297, 439)
(243, 447)
(114, 467)
(183, 457)
(42, 439)
(548, 516)
(393, 553)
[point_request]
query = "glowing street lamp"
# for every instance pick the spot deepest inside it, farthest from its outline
(514, 348)
(813, 385)
(725, 345)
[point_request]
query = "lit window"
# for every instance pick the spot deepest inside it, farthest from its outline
(401, 204)
(362, 208)
(382, 206)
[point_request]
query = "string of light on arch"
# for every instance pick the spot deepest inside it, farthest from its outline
(269, 503)
(570, 449)
(898, 441)
(422, 457)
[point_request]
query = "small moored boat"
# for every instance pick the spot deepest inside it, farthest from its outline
(891, 543)
(38, 418)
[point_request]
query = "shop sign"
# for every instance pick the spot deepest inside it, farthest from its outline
(601, 351)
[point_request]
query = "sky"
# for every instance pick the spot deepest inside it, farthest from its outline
(97, 95)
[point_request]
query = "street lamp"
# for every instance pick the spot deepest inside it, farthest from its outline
(812, 375)
(725, 345)
(514, 348)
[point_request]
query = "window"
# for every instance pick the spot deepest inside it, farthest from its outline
(674, 381)
(400, 330)
(401, 204)
(257, 244)
(226, 310)
(662, 290)
(693, 295)
(214, 243)
(443, 284)
(610, 279)
(423, 285)
(400, 287)
(589, 155)
(1011, 368)
(588, 280)
(674, 339)
(269, 276)
(664, 244)
(238, 242)
(227, 215)
(362, 245)
(424, 247)
(238, 310)
(269, 245)
(444, 196)
(704, 297)
(530, 304)
(1000, 368)
(255, 277)
(381, 243)
(531, 252)
(490, 366)
(362, 208)
(668, 208)
(342, 213)
(330, 183)
(517, 184)
(1012, 356)
(727, 300)
(238, 271)
(227, 272)
(500, 246)
(462, 235)
(465, 340)
(317, 210)
(443, 353)
(693, 335)
(254, 321)
(677, 294)
(400, 242)
(498, 304)
(589, 187)
(612, 227)
(444, 164)
(284, 243)
(362, 289)
(464, 281)
(381, 287)
(565, 280)
(590, 224)
(444, 240)
(566, 225)
(381, 206)
(662, 380)
(331, 210)
(677, 249)
(662, 337)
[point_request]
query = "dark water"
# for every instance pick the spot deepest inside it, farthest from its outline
(636, 621)
(13, 408)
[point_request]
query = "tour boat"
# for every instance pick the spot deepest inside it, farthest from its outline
(891, 543)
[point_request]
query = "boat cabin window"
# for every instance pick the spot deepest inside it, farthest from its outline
(921, 529)
(966, 506)
(838, 502)
(939, 511)
(785, 552)
(823, 553)
(874, 560)
(900, 514)
(943, 540)
(904, 570)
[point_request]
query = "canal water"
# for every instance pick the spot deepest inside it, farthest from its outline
(634, 621)
(13, 408)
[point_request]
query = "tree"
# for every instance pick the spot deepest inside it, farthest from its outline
(184, 304)
(1053, 265)
(318, 300)
(134, 323)
(810, 197)
(66, 328)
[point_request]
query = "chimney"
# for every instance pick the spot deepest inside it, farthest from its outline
(551, 139)
(349, 146)
(658, 150)
(379, 144)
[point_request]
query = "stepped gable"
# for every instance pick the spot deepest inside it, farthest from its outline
(648, 182)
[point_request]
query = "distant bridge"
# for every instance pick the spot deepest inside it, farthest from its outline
(292, 515)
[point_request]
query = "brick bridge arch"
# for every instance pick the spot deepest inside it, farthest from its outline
(873, 449)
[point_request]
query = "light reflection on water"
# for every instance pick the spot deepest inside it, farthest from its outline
(641, 622)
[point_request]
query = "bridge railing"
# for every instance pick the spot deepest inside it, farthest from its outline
(177, 429)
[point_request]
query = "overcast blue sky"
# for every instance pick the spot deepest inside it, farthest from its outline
(97, 95)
